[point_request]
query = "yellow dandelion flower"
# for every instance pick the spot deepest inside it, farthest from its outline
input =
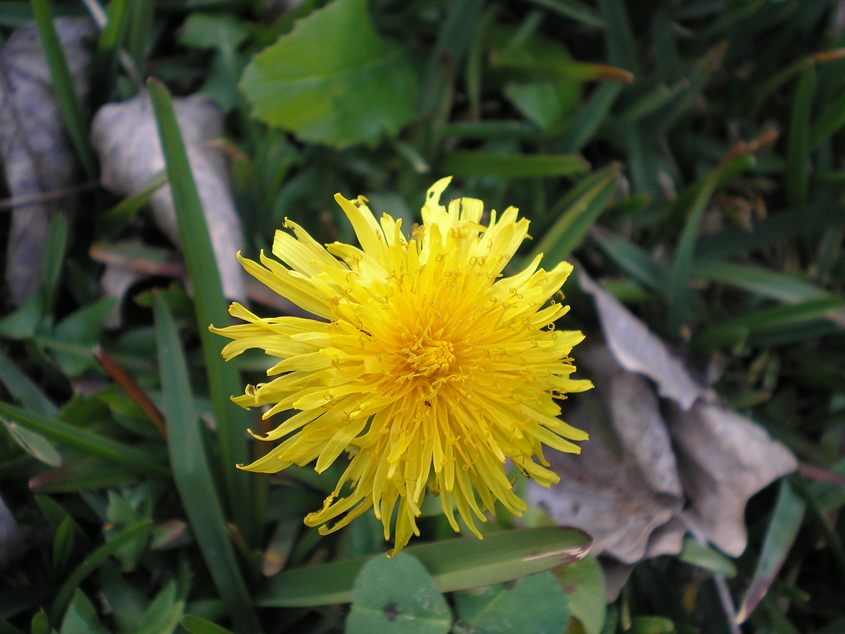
(426, 365)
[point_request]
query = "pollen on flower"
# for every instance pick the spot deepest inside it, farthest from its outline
(425, 366)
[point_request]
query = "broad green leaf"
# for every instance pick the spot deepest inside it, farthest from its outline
(333, 79)
(225, 34)
(454, 564)
(397, 595)
(547, 84)
(192, 473)
(81, 328)
(583, 583)
(81, 617)
(482, 163)
(89, 442)
(783, 528)
(223, 379)
(533, 604)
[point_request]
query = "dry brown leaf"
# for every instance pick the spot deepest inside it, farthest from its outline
(625, 484)
(37, 155)
(126, 139)
(639, 350)
(641, 482)
(725, 458)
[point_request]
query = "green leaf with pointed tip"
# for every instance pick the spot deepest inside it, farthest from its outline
(333, 79)
(397, 595)
(81, 617)
(198, 625)
(223, 378)
(783, 529)
(87, 441)
(163, 614)
(192, 473)
(454, 564)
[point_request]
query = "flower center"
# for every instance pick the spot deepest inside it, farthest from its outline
(427, 356)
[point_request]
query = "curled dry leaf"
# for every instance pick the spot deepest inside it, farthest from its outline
(625, 484)
(639, 350)
(126, 140)
(36, 153)
(642, 481)
(726, 458)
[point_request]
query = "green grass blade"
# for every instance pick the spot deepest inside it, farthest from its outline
(86, 441)
(828, 122)
(479, 163)
(767, 321)
(140, 26)
(798, 145)
(192, 473)
(619, 37)
(763, 282)
(66, 97)
(93, 561)
(223, 379)
(592, 115)
(785, 225)
(575, 220)
(631, 259)
(579, 11)
(682, 263)
(24, 389)
(783, 528)
(454, 564)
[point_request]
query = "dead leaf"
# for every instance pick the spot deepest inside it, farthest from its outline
(641, 483)
(37, 155)
(126, 139)
(625, 483)
(725, 459)
(638, 349)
